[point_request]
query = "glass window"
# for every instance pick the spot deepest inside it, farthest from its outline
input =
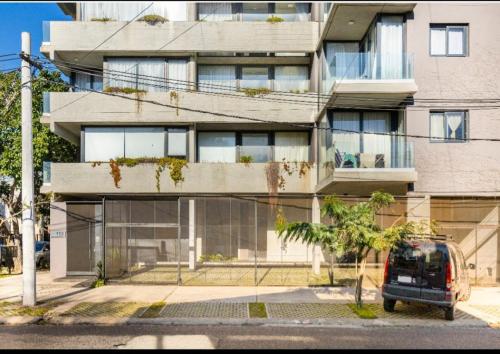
(103, 144)
(448, 40)
(256, 145)
(291, 146)
(177, 142)
(447, 126)
(254, 11)
(290, 11)
(291, 78)
(254, 77)
(144, 142)
(216, 78)
(217, 147)
(177, 74)
(215, 11)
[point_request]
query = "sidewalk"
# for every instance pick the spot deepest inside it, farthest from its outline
(70, 301)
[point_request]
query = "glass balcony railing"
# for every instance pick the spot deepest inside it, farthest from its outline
(367, 66)
(368, 150)
(46, 31)
(46, 102)
(46, 169)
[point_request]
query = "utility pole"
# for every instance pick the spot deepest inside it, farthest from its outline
(29, 271)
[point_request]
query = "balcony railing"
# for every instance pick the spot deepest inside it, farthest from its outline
(46, 31)
(367, 66)
(46, 102)
(368, 150)
(46, 169)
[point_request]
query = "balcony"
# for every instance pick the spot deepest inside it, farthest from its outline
(71, 110)
(350, 77)
(209, 178)
(70, 39)
(363, 162)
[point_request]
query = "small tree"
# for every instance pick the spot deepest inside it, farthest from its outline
(353, 230)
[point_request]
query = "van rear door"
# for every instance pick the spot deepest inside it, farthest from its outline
(405, 270)
(434, 259)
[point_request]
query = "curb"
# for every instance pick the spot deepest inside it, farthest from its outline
(345, 323)
(19, 320)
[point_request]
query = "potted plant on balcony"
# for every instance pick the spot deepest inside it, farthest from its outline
(153, 19)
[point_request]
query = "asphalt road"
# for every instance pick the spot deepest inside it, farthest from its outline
(159, 336)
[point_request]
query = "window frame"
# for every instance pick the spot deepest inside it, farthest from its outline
(447, 26)
(446, 139)
(166, 130)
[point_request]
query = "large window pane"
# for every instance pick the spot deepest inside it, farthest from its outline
(102, 144)
(438, 41)
(217, 147)
(215, 11)
(177, 74)
(122, 72)
(254, 77)
(255, 11)
(177, 143)
(144, 142)
(456, 41)
(291, 78)
(391, 47)
(346, 126)
(256, 146)
(290, 11)
(437, 126)
(291, 146)
(126, 11)
(216, 78)
(151, 74)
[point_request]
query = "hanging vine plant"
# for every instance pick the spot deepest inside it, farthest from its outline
(174, 96)
(175, 166)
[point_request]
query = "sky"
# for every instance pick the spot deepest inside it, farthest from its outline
(20, 17)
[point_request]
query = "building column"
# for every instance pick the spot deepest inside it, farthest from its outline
(316, 218)
(192, 73)
(419, 209)
(58, 240)
(192, 144)
(315, 11)
(191, 11)
(192, 235)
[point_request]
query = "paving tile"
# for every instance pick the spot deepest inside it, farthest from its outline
(107, 309)
(492, 310)
(308, 311)
(415, 311)
(205, 310)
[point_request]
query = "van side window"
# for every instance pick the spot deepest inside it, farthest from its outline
(433, 261)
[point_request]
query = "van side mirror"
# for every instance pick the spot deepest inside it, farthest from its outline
(472, 266)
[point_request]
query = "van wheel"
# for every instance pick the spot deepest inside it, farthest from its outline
(389, 305)
(449, 313)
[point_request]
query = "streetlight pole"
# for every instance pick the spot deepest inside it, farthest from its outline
(28, 244)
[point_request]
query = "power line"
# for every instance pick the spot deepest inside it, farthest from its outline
(308, 126)
(394, 103)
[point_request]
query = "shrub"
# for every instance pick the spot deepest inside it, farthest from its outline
(257, 310)
(246, 159)
(252, 92)
(275, 19)
(127, 90)
(101, 19)
(153, 19)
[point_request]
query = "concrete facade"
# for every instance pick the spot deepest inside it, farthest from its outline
(452, 170)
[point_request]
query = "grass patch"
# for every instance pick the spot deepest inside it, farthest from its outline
(98, 283)
(257, 310)
(363, 312)
(16, 309)
(154, 310)
(101, 19)
(153, 19)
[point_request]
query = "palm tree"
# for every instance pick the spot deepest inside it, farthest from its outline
(353, 229)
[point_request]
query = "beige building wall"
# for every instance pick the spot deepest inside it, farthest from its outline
(471, 167)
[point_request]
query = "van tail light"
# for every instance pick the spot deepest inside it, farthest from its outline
(386, 270)
(448, 276)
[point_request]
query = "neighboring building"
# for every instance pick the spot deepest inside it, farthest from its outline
(335, 87)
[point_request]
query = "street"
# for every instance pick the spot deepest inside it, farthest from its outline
(241, 337)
